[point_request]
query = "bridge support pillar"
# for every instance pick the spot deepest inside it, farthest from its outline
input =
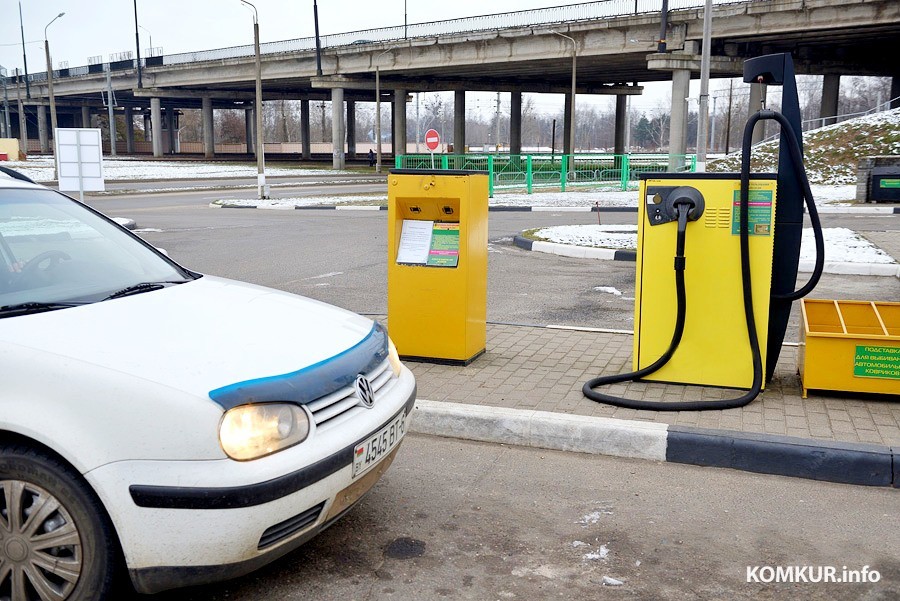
(621, 124)
(459, 122)
(567, 125)
(681, 87)
(304, 129)
(209, 142)
(831, 86)
(337, 128)
(895, 92)
(757, 98)
(170, 128)
(515, 123)
(351, 128)
(156, 126)
(249, 126)
(85, 116)
(399, 141)
(129, 130)
(43, 134)
(621, 131)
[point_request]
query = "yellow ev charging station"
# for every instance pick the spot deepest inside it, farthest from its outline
(714, 322)
(717, 314)
(437, 264)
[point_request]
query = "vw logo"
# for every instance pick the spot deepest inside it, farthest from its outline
(364, 390)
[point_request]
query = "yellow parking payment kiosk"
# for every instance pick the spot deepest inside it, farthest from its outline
(437, 264)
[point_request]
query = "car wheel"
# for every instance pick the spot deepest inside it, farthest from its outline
(56, 542)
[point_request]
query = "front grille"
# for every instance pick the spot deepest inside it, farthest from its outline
(339, 403)
(290, 526)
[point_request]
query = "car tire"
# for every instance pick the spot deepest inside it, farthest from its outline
(79, 563)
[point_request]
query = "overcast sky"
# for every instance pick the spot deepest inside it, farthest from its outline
(102, 27)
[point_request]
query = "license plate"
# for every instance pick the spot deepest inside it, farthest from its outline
(369, 452)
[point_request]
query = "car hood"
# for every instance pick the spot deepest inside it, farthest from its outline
(199, 336)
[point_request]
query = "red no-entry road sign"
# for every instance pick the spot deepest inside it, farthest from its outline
(432, 139)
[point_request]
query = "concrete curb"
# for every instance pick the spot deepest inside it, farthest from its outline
(585, 252)
(494, 208)
(578, 209)
(829, 461)
(580, 252)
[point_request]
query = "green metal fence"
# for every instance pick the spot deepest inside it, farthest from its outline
(530, 171)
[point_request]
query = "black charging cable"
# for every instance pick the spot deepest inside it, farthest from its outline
(797, 159)
(682, 208)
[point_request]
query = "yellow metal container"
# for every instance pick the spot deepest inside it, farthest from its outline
(714, 349)
(437, 264)
(851, 346)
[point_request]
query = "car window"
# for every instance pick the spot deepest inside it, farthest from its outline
(54, 250)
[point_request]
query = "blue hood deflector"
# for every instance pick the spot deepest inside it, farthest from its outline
(312, 382)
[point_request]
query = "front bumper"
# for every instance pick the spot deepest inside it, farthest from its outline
(179, 532)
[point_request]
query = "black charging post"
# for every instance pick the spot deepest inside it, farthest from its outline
(778, 70)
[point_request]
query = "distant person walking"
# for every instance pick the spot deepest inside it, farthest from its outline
(371, 156)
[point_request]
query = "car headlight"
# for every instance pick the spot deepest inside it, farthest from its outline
(253, 431)
(394, 358)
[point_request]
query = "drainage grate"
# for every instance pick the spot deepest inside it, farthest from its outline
(288, 527)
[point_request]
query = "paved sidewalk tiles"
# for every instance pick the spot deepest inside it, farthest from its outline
(543, 369)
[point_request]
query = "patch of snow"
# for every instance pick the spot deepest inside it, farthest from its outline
(593, 517)
(146, 229)
(841, 244)
(608, 290)
(579, 543)
(600, 553)
(607, 581)
(307, 201)
(833, 195)
(597, 236)
(40, 169)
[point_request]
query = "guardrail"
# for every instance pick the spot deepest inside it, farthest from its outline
(563, 171)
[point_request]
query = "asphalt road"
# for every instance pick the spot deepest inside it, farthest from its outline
(464, 520)
(340, 257)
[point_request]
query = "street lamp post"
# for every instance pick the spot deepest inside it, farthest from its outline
(149, 38)
(50, 77)
(137, 42)
(703, 119)
(572, 107)
(260, 148)
(378, 113)
(24, 55)
(318, 42)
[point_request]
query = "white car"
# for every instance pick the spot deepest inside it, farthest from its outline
(188, 428)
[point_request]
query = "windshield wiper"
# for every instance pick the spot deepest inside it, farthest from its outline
(33, 307)
(140, 288)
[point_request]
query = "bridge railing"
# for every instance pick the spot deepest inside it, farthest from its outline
(600, 9)
(563, 171)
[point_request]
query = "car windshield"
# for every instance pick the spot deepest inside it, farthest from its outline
(54, 252)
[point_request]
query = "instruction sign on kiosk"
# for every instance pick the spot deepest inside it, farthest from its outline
(437, 264)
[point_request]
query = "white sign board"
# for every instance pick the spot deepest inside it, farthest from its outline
(415, 242)
(79, 160)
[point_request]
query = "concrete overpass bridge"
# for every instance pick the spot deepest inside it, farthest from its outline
(615, 41)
